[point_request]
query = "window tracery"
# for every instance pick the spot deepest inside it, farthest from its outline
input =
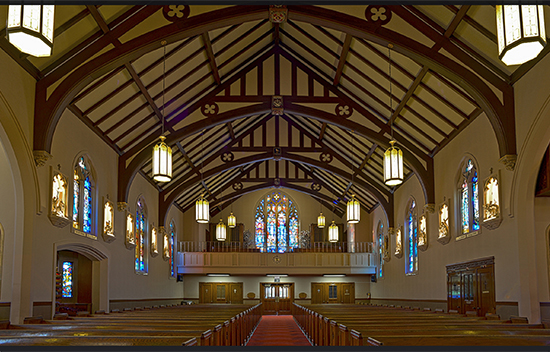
(83, 199)
(276, 223)
(469, 201)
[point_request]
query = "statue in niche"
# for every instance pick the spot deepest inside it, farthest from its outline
(422, 234)
(491, 199)
(444, 221)
(398, 243)
(59, 194)
(130, 240)
(108, 222)
(166, 246)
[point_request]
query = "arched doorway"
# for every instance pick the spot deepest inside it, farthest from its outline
(80, 278)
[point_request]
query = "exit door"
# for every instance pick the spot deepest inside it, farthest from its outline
(276, 298)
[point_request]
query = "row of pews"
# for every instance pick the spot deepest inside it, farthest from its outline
(187, 325)
(359, 325)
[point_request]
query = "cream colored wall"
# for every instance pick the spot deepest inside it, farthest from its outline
(7, 223)
(430, 280)
(252, 283)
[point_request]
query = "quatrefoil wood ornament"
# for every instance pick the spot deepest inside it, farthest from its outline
(325, 157)
(227, 157)
(343, 110)
(378, 14)
(175, 13)
(316, 187)
(210, 109)
(237, 186)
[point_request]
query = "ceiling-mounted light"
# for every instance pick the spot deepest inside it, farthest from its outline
(30, 28)
(333, 232)
(354, 210)
(521, 33)
(162, 153)
(216, 275)
(393, 157)
(276, 275)
(221, 231)
(202, 206)
(334, 275)
(202, 210)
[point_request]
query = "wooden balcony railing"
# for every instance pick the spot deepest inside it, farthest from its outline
(316, 247)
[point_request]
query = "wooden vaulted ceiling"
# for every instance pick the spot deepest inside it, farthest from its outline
(220, 81)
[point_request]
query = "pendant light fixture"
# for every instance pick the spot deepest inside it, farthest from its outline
(333, 232)
(231, 219)
(321, 218)
(221, 231)
(353, 206)
(520, 31)
(393, 157)
(162, 153)
(202, 207)
(30, 28)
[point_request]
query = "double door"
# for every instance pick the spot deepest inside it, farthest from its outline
(338, 292)
(471, 287)
(221, 292)
(276, 298)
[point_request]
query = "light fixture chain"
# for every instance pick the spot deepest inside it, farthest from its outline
(163, 83)
(391, 93)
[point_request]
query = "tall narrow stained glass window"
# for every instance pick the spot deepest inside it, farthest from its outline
(83, 198)
(141, 238)
(411, 231)
(469, 200)
(380, 241)
(67, 285)
(277, 223)
(172, 249)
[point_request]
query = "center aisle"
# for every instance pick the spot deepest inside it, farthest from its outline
(278, 330)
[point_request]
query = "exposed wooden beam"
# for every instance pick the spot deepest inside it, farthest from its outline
(409, 94)
(210, 54)
(342, 61)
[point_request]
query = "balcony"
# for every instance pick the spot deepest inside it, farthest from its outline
(236, 259)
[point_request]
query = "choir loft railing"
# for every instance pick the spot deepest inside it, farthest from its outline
(316, 247)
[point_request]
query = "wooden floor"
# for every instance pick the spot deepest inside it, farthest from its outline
(406, 327)
(170, 326)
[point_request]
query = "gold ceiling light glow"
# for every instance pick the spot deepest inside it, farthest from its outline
(521, 33)
(333, 232)
(202, 206)
(30, 28)
(221, 231)
(353, 206)
(321, 217)
(231, 219)
(393, 157)
(162, 153)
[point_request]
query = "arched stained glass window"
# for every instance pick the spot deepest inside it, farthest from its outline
(172, 249)
(380, 240)
(411, 231)
(83, 197)
(140, 254)
(277, 223)
(469, 199)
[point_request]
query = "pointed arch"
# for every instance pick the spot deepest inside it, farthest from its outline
(84, 203)
(467, 198)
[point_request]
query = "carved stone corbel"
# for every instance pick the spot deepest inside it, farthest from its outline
(121, 206)
(41, 157)
(509, 160)
(430, 208)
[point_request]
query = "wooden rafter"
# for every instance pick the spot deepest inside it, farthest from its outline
(210, 54)
(342, 60)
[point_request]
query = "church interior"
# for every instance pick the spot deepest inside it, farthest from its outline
(340, 161)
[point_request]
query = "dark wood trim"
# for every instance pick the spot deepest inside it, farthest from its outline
(411, 300)
(5, 304)
(507, 303)
(41, 303)
(144, 300)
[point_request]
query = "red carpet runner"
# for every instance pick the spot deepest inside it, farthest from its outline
(278, 330)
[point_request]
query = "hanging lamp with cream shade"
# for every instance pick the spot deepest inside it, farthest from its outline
(321, 218)
(162, 153)
(221, 231)
(333, 232)
(521, 33)
(353, 206)
(202, 206)
(231, 219)
(30, 28)
(393, 157)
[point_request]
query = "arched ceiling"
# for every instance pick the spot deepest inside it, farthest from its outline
(223, 66)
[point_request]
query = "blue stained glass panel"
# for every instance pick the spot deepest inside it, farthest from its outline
(475, 202)
(67, 287)
(271, 232)
(76, 197)
(87, 213)
(465, 211)
(259, 233)
(412, 236)
(171, 250)
(281, 231)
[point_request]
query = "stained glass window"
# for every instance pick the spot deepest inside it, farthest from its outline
(411, 232)
(67, 288)
(380, 249)
(172, 249)
(277, 223)
(469, 199)
(83, 197)
(141, 235)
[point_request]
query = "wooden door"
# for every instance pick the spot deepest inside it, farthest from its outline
(205, 292)
(286, 295)
(236, 293)
(331, 292)
(486, 290)
(220, 292)
(269, 299)
(454, 291)
(276, 298)
(348, 293)
(317, 291)
(469, 289)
